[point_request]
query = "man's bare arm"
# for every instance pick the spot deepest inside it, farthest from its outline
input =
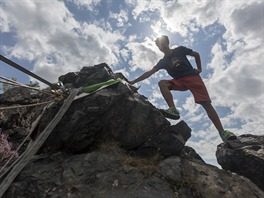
(144, 76)
(196, 55)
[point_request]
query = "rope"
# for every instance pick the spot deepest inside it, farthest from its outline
(8, 79)
(33, 127)
(36, 144)
(23, 106)
(24, 86)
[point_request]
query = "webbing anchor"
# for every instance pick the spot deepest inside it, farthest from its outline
(22, 69)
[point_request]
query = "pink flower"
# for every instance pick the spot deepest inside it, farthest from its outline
(5, 147)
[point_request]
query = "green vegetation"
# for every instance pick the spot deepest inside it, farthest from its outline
(6, 87)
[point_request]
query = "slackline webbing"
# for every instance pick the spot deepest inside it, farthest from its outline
(91, 89)
(23, 106)
(25, 86)
(32, 128)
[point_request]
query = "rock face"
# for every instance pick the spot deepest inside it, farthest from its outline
(116, 113)
(113, 143)
(245, 158)
(89, 75)
(114, 174)
(16, 122)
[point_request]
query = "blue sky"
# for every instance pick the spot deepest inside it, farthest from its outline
(54, 37)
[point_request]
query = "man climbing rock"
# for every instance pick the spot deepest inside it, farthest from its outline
(185, 77)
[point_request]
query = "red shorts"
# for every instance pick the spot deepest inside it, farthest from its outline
(193, 83)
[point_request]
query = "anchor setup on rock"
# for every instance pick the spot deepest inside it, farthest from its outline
(161, 137)
(24, 70)
(60, 93)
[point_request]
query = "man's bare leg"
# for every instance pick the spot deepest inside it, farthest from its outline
(213, 116)
(165, 91)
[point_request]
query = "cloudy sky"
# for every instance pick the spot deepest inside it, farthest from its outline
(51, 38)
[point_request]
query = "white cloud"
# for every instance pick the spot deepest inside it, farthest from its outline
(144, 54)
(178, 15)
(123, 71)
(190, 106)
(245, 20)
(4, 22)
(121, 18)
(240, 85)
(248, 21)
(219, 62)
(124, 53)
(183, 17)
(89, 4)
(48, 35)
(140, 7)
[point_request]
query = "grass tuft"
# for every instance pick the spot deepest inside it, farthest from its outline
(147, 166)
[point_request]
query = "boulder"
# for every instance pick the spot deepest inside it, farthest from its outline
(190, 178)
(116, 113)
(245, 157)
(90, 75)
(114, 174)
(170, 141)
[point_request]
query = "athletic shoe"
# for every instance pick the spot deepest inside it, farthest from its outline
(227, 135)
(171, 113)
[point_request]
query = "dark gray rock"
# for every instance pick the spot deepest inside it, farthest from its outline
(16, 95)
(90, 75)
(245, 158)
(114, 113)
(22, 96)
(115, 174)
(170, 141)
(117, 113)
(196, 179)
(72, 162)
(95, 174)
(190, 154)
(16, 122)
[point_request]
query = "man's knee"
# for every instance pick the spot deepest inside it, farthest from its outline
(164, 84)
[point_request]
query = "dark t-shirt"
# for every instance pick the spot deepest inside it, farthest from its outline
(177, 64)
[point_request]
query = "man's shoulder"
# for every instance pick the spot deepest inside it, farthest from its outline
(181, 47)
(160, 64)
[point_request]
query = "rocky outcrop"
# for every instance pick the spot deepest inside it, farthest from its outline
(245, 157)
(113, 143)
(113, 173)
(89, 75)
(118, 113)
